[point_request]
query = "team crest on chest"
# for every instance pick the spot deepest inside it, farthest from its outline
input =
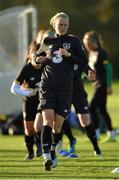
(66, 46)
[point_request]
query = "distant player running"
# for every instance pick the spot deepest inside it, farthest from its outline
(98, 59)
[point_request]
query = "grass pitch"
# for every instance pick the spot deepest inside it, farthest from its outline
(13, 165)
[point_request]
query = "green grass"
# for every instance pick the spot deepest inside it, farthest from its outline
(13, 165)
(112, 102)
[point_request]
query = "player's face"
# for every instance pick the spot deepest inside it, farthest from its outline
(88, 43)
(61, 25)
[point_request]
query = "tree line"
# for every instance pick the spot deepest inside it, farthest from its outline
(85, 15)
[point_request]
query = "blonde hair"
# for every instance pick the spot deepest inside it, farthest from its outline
(61, 14)
(40, 35)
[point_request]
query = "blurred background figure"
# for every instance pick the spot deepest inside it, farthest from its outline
(67, 130)
(99, 61)
(26, 84)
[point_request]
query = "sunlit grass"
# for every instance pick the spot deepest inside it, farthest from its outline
(12, 153)
(112, 101)
(13, 165)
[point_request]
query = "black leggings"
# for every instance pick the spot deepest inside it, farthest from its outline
(98, 105)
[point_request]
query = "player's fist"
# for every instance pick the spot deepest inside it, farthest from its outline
(91, 75)
(109, 90)
(33, 92)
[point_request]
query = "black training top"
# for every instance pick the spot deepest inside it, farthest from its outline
(96, 61)
(58, 72)
(29, 76)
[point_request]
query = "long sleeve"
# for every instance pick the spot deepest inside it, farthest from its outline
(79, 55)
(16, 89)
(108, 69)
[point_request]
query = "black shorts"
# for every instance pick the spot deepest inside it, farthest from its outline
(30, 109)
(80, 102)
(58, 100)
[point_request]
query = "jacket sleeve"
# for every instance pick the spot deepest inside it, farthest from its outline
(17, 90)
(108, 69)
(78, 55)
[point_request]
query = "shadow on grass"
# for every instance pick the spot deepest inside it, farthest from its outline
(52, 175)
(11, 150)
(12, 153)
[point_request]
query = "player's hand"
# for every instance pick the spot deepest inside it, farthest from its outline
(64, 52)
(41, 59)
(33, 92)
(109, 91)
(91, 75)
